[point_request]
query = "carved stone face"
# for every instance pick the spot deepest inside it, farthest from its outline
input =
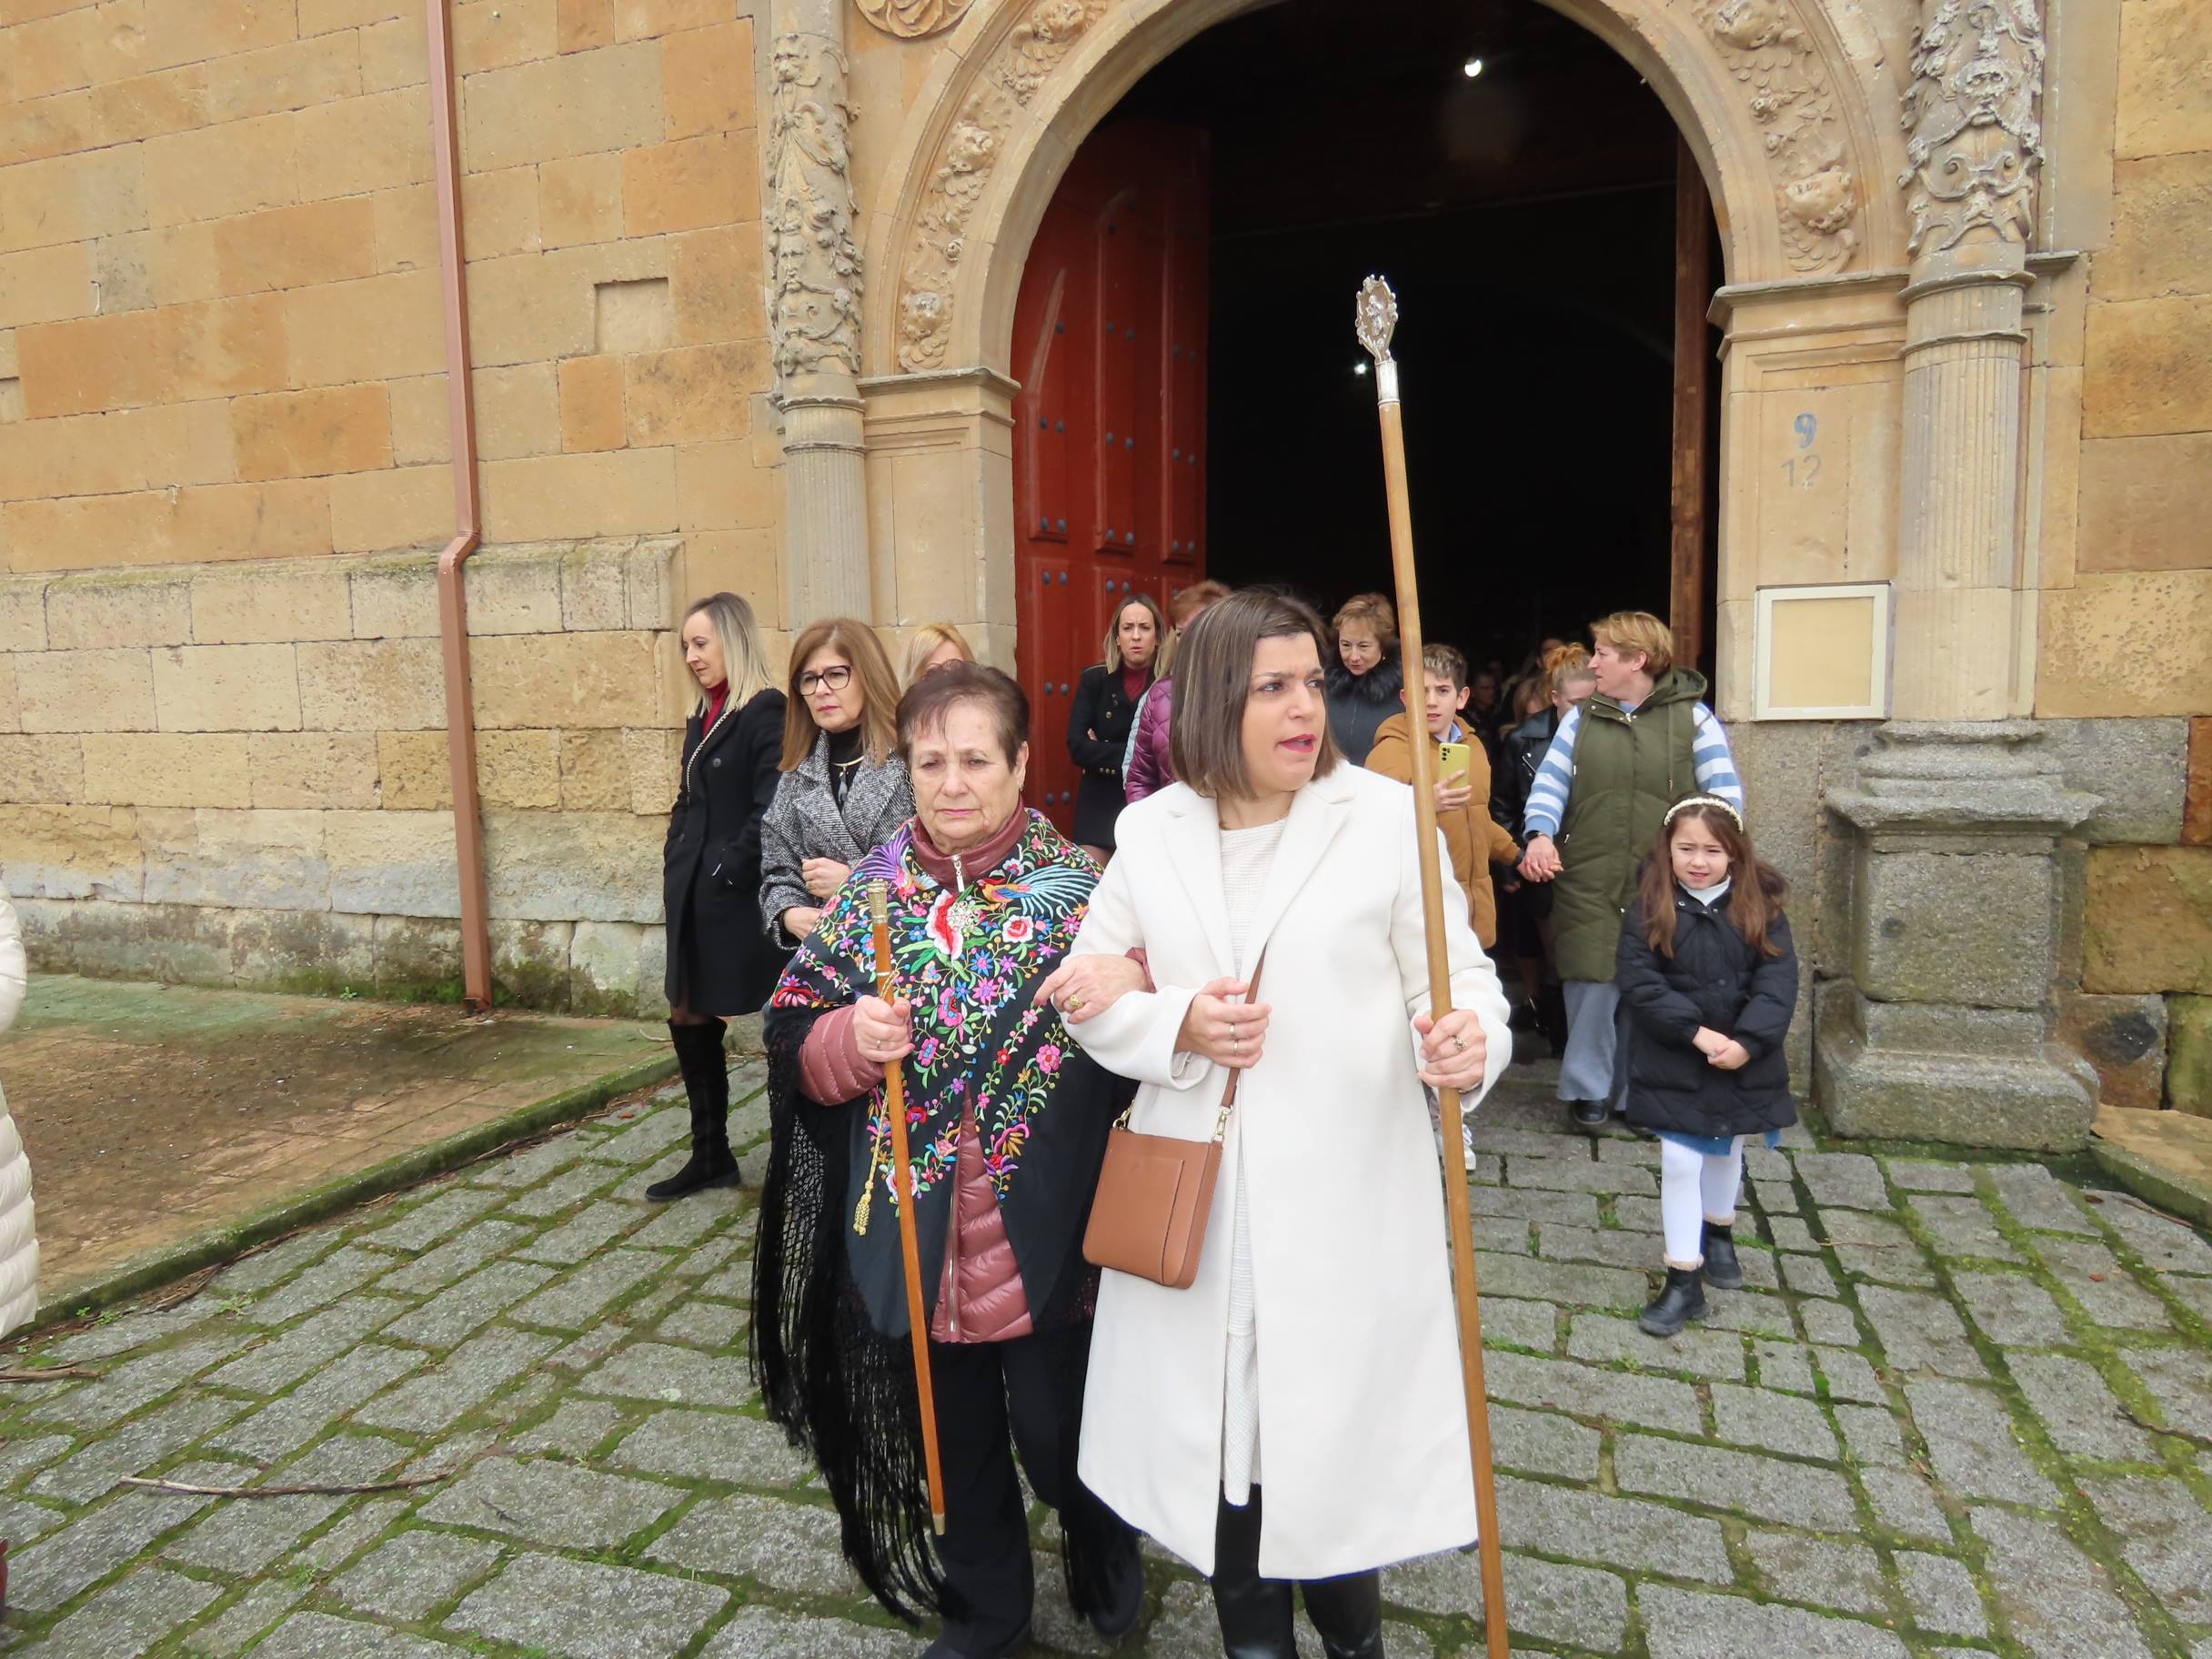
(1058, 20)
(920, 312)
(970, 149)
(1823, 201)
(1748, 25)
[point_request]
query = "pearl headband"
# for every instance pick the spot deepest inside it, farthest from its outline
(1688, 801)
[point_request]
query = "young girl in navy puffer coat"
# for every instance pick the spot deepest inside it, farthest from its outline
(1709, 978)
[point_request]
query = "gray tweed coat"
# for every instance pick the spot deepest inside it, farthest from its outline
(804, 821)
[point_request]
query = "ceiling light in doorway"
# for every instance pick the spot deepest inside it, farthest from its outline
(1471, 67)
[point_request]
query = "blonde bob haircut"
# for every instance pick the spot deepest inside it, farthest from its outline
(1214, 681)
(744, 662)
(1144, 601)
(1630, 631)
(857, 644)
(1372, 610)
(924, 643)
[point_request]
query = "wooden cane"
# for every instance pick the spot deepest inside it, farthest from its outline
(1377, 317)
(894, 1108)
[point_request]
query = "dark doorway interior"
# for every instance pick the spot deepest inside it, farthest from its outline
(1526, 216)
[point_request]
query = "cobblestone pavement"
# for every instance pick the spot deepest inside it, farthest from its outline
(1961, 1410)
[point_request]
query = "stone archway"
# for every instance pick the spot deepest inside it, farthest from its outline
(1788, 104)
(1780, 110)
(1875, 174)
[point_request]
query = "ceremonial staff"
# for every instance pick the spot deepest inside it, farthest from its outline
(1377, 317)
(902, 1176)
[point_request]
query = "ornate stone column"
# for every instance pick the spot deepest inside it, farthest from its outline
(1954, 908)
(814, 316)
(1975, 149)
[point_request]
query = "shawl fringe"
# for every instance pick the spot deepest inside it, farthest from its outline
(840, 1392)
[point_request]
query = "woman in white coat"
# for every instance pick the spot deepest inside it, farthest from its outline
(18, 1234)
(1318, 1342)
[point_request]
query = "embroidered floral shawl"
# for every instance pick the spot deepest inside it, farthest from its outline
(969, 963)
(830, 1341)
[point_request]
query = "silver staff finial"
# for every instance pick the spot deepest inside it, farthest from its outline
(1377, 317)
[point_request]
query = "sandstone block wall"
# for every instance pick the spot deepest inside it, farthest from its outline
(225, 456)
(183, 798)
(2126, 570)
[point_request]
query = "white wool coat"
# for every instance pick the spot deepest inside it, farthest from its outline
(1362, 1410)
(18, 1233)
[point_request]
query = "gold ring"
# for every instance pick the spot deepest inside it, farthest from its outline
(1075, 1005)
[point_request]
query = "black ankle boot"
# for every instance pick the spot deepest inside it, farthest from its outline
(1723, 1271)
(706, 1074)
(1681, 1301)
(1255, 1613)
(1347, 1613)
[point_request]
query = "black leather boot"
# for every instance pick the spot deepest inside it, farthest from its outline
(706, 1074)
(1681, 1301)
(1723, 1271)
(1347, 1612)
(1255, 1613)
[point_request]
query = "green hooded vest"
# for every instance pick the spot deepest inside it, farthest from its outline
(1629, 768)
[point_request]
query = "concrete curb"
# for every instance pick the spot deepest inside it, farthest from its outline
(159, 1267)
(2154, 1184)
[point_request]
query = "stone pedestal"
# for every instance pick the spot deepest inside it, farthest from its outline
(1941, 1030)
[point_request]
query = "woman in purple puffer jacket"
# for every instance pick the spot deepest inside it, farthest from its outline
(1146, 769)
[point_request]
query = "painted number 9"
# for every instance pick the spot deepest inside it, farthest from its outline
(1803, 468)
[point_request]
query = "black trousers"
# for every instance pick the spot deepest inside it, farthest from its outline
(993, 1400)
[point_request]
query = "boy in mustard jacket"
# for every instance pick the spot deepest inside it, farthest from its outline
(1471, 836)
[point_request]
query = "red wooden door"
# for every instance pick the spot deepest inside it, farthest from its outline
(1109, 347)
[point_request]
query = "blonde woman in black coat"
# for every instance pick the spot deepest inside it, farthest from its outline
(719, 962)
(1104, 714)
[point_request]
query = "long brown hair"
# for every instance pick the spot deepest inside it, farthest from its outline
(1755, 888)
(878, 691)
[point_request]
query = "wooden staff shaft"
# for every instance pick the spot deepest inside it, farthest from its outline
(1456, 1203)
(910, 1248)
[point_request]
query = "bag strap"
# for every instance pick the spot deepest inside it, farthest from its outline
(1236, 1074)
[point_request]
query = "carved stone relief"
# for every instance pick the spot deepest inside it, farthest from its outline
(814, 303)
(1974, 141)
(1802, 131)
(971, 148)
(912, 19)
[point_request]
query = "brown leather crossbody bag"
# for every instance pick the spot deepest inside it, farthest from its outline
(1155, 1193)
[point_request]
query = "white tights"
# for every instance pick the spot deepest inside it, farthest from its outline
(1694, 1189)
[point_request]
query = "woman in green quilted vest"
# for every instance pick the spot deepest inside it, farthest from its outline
(1640, 743)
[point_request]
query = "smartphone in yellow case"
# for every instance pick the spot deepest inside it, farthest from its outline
(1451, 763)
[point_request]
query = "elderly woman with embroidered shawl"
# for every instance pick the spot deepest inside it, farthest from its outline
(1007, 1123)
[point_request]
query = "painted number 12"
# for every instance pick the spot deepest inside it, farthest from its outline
(1804, 467)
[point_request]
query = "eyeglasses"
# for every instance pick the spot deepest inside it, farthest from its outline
(836, 679)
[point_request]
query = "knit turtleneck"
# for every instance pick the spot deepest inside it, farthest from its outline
(972, 861)
(1709, 897)
(716, 697)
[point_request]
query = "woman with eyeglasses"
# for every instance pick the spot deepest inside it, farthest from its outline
(844, 788)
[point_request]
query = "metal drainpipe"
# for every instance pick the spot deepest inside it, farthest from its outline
(452, 591)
